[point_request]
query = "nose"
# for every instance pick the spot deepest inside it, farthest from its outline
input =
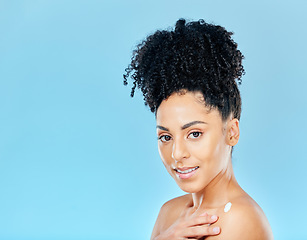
(180, 151)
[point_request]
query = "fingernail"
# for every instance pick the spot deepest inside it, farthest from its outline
(213, 217)
(216, 230)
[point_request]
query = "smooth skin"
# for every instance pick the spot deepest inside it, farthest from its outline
(192, 135)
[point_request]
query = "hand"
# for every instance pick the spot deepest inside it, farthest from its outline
(191, 227)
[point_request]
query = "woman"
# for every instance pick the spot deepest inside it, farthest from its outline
(188, 78)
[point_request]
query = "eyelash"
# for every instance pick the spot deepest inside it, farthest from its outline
(200, 133)
(160, 138)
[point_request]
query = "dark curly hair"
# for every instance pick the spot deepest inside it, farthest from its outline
(195, 56)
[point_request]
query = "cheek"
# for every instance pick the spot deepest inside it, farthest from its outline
(209, 151)
(203, 150)
(166, 157)
(165, 154)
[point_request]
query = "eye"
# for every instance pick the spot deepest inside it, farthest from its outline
(195, 134)
(164, 138)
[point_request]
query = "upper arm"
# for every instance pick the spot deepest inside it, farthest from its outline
(156, 229)
(162, 218)
(169, 212)
(244, 223)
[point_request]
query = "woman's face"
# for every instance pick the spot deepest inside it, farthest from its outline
(192, 141)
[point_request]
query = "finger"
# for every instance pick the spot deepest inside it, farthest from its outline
(199, 211)
(196, 214)
(201, 220)
(200, 231)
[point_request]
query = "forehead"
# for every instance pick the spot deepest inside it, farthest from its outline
(183, 108)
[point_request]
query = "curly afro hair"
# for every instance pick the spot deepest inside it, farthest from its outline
(195, 56)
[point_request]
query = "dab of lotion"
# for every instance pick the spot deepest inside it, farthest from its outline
(227, 207)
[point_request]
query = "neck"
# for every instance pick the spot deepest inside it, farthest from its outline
(218, 192)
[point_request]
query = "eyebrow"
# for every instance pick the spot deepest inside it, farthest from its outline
(184, 126)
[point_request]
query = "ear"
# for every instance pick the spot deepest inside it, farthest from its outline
(233, 132)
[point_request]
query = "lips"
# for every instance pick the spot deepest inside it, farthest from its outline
(186, 172)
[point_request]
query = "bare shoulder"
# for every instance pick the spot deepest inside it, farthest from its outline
(176, 205)
(245, 221)
(169, 213)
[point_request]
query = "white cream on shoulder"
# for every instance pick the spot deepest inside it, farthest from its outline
(227, 207)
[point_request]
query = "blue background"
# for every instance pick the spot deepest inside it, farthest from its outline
(78, 155)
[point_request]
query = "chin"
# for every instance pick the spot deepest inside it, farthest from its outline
(190, 187)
